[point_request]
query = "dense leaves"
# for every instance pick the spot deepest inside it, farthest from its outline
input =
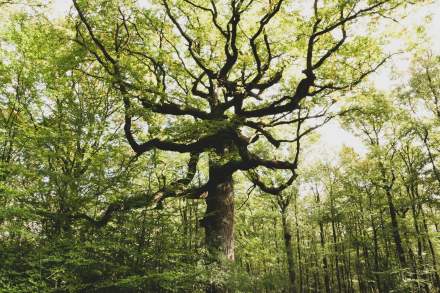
(164, 146)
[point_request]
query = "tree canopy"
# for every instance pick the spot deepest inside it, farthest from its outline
(167, 146)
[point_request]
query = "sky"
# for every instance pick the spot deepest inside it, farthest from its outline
(333, 137)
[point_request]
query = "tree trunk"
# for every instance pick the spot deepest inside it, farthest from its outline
(218, 220)
(376, 255)
(322, 243)
(289, 252)
(431, 249)
(324, 258)
(298, 248)
(395, 229)
(219, 217)
(336, 249)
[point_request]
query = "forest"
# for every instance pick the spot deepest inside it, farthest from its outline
(220, 146)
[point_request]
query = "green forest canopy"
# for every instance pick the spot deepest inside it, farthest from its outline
(173, 146)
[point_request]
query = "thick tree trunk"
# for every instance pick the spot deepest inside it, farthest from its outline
(219, 216)
(218, 221)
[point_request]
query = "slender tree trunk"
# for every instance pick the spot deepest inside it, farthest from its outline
(298, 247)
(431, 250)
(316, 277)
(289, 252)
(324, 258)
(395, 229)
(375, 243)
(336, 251)
(417, 262)
(359, 271)
(376, 255)
(322, 243)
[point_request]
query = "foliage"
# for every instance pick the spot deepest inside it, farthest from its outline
(120, 122)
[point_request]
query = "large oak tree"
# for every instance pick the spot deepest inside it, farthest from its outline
(223, 80)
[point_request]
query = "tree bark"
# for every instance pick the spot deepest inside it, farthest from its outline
(298, 248)
(335, 248)
(218, 221)
(431, 249)
(289, 252)
(324, 258)
(219, 216)
(395, 229)
(376, 253)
